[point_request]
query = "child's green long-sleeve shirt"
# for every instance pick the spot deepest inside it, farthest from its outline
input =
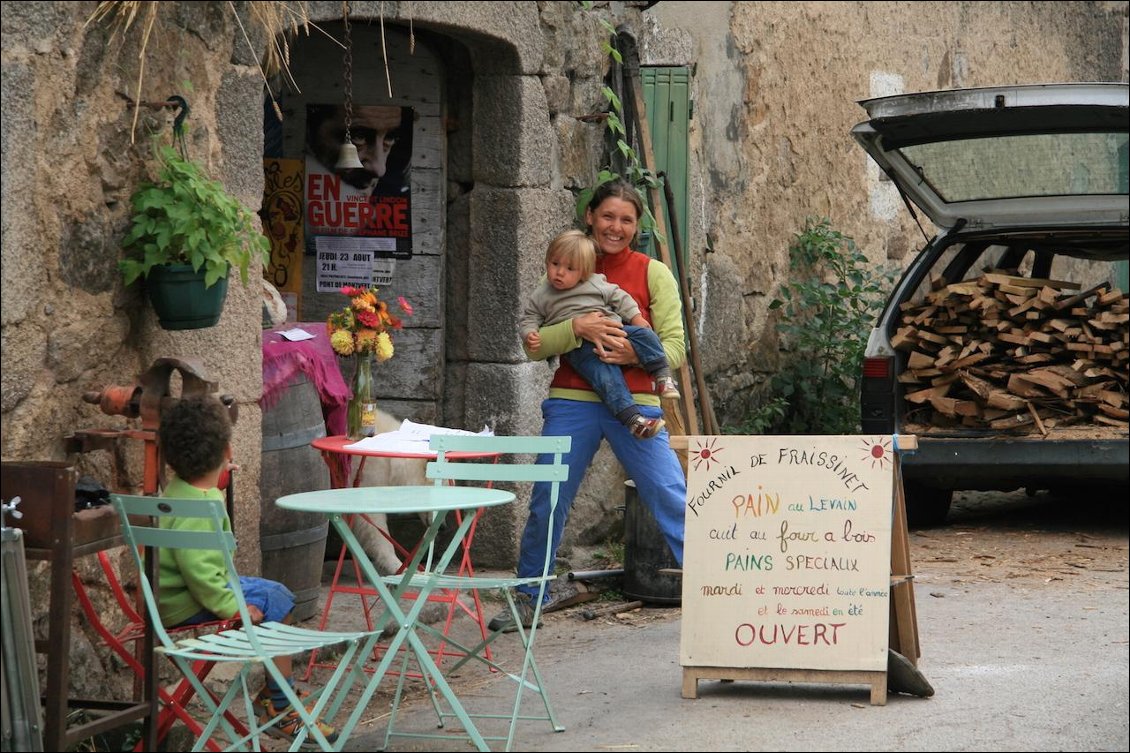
(192, 580)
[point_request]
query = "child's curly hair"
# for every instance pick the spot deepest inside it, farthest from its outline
(194, 436)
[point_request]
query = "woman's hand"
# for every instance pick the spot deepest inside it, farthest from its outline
(621, 354)
(605, 334)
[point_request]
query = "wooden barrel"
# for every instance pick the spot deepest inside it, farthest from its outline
(646, 553)
(293, 543)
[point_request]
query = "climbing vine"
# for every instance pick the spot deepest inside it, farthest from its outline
(631, 166)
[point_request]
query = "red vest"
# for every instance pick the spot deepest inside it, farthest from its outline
(628, 269)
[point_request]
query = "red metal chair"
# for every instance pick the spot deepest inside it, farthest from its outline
(174, 702)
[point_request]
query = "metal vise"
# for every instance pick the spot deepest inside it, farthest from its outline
(146, 399)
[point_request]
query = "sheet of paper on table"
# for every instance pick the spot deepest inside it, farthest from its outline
(296, 334)
(410, 438)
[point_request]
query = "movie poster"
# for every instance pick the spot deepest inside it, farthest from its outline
(282, 222)
(371, 205)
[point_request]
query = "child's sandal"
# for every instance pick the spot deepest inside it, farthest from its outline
(645, 428)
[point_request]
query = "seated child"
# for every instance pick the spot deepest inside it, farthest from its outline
(570, 289)
(195, 441)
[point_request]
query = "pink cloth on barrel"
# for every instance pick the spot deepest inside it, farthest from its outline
(282, 359)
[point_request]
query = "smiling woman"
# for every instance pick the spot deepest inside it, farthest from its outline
(574, 408)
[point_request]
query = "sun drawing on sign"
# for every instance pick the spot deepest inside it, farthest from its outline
(706, 453)
(878, 451)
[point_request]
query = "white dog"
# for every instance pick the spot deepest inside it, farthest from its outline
(386, 472)
(371, 533)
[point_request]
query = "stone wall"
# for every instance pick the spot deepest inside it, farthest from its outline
(72, 155)
(775, 99)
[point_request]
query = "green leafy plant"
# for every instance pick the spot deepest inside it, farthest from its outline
(625, 156)
(188, 218)
(609, 555)
(827, 312)
(764, 419)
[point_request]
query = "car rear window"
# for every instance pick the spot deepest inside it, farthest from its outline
(1063, 164)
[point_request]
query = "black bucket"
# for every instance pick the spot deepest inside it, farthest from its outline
(293, 543)
(645, 553)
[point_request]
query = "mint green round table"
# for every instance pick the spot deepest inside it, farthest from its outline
(424, 572)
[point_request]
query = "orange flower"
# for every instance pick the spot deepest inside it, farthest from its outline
(365, 341)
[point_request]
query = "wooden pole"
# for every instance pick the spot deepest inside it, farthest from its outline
(709, 422)
(904, 612)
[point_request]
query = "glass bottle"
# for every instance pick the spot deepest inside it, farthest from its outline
(362, 414)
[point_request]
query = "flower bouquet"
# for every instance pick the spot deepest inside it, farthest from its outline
(361, 330)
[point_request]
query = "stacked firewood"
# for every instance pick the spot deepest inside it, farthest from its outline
(1005, 352)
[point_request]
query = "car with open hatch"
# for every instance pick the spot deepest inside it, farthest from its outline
(1003, 347)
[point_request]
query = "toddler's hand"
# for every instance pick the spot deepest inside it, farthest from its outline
(255, 613)
(533, 341)
(225, 475)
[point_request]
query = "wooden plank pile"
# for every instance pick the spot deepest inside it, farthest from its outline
(1015, 353)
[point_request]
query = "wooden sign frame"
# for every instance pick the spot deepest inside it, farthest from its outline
(902, 622)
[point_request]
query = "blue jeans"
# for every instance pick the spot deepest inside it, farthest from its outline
(651, 463)
(607, 379)
(272, 598)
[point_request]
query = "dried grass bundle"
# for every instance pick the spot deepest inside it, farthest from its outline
(277, 20)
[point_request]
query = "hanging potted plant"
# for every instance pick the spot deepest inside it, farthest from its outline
(187, 232)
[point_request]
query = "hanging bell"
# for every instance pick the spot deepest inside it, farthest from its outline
(347, 158)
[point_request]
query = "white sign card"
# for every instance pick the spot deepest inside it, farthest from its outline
(787, 561)
(383, 272)
(345, 260)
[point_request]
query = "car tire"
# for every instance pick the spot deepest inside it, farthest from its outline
(926, 506)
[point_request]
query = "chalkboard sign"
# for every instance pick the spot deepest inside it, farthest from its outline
(787, 562)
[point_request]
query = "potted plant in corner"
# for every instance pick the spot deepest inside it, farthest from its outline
(187, 232)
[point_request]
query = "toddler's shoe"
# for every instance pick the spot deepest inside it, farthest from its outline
(291, 723)
(667, 389)
(645, 428)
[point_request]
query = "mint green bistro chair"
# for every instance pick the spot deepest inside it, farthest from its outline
(503, 467)
(248, 645)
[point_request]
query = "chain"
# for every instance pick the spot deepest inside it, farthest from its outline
(348, 73)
